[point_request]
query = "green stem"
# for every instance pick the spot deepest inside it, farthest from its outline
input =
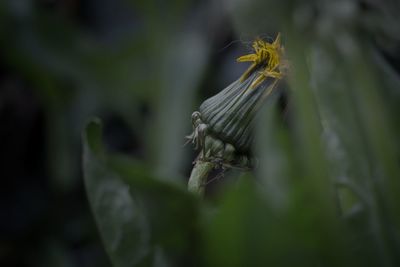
(198, 177)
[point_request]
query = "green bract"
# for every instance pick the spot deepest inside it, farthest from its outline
(223, 126)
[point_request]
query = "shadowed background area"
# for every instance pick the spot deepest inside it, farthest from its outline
(327, 188)
(136, 64)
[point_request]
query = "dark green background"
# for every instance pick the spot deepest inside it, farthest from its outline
(327, 189)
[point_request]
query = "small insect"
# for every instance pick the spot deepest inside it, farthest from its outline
(200, 131)
(267, 57)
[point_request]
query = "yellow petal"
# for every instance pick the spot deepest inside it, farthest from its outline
(250, 57)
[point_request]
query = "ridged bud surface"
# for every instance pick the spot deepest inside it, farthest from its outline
(230, 114)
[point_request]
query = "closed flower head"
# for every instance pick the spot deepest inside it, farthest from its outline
(223, 126)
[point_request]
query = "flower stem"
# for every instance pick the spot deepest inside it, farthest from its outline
(198, 177)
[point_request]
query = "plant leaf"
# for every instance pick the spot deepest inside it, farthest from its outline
(143, 221)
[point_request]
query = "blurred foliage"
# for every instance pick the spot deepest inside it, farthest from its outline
(143, 221)
(327, 189)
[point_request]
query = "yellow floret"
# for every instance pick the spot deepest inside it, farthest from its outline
(268, 57)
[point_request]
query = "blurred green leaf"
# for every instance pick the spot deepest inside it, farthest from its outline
(142, 220)
(238, 234)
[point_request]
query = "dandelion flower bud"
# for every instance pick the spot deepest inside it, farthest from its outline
(223, 126)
